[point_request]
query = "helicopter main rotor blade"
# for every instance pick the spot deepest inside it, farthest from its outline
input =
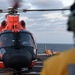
(31, 10)
(3, 10)
(25, 10)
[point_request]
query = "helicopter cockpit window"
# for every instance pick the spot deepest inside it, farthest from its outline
(6, 40)
(26, 39)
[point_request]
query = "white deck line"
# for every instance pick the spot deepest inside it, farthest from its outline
(32, 73)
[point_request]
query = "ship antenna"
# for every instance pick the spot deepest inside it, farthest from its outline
(45, 47)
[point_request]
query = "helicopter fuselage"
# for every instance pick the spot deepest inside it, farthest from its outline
(17, 45)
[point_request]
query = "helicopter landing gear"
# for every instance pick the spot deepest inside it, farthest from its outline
(18, 72)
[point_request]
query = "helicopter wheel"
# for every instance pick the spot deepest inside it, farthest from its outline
(17, 72)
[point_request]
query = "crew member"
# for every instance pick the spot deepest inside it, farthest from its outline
(62, 64)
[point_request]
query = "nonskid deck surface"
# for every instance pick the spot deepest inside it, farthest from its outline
(34, 71)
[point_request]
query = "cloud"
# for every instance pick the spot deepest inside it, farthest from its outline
(4, 4)
(46, 3)
(45, 22)
(54, 37)
(43, 4)
(54, 15)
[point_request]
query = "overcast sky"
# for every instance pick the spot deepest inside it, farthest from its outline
(47, 27)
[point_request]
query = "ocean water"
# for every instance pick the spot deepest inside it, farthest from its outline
(55, 47)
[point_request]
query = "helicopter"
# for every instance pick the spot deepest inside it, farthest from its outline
(17, 45)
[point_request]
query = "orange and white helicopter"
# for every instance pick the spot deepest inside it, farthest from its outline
(18, 48)
(17, 45)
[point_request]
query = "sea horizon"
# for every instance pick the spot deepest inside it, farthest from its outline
(54, 47)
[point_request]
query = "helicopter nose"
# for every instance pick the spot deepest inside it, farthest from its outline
(17, 59)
